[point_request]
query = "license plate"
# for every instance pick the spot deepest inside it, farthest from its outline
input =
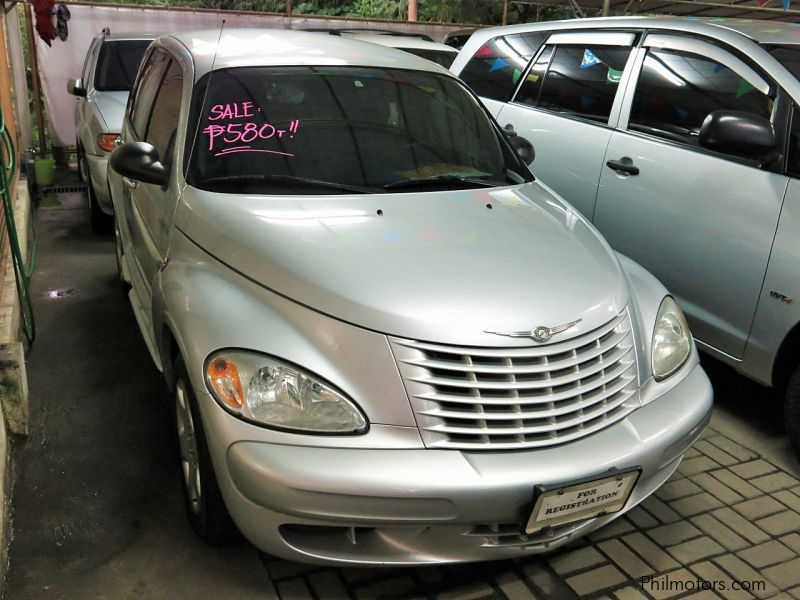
(575, 502)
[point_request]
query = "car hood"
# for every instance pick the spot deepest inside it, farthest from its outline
(111, 106)
(443, 266)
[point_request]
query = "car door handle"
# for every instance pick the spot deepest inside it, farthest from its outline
(130, 183)
(623, 165)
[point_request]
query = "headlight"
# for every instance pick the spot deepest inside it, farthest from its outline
(672, 342)
(277, 394)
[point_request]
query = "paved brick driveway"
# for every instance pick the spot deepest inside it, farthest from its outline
(726, 519)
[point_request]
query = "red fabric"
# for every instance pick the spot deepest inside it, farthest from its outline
(44, 19)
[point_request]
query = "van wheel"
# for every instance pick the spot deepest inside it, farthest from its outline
(205, 507)
(792, 412)
(124, 285)
(83, 167)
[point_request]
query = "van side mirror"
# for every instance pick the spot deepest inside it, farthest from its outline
(139, 161)
(75, 87)
(739, 133)
(521, 145)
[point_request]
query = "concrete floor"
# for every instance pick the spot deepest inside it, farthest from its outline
(97, 508)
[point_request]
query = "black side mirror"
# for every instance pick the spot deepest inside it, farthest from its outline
(739, 133)
(139, 161)
(521, 145)
(75, 87)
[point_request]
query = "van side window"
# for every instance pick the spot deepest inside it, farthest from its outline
(532, 85)
(495, 69)
(677, 90)
(581, 81)
(163, 123)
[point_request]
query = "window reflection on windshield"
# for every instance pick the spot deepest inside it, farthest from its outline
(310, 130)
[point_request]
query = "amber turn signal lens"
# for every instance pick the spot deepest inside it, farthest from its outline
(223, 376)
(107, 141)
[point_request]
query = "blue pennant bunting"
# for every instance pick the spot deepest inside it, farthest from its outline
(498, 64)
(589, 59)
(786, 5)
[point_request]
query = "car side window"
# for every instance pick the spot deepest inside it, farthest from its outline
(495, 69)
(163, 122)
(146, 89)
(577, 79)
(676, 91)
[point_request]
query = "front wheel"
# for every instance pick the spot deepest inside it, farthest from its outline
(205, 507)
(792, 412)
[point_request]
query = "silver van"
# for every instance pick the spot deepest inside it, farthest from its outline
(386, 342)
(679, 139)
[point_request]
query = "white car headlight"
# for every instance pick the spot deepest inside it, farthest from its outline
(672, 342)
(268, 391)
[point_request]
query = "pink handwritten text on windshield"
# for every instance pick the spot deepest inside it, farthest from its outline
(236, 137)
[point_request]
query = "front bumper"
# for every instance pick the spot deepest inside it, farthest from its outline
(98, 179)
(418, 506)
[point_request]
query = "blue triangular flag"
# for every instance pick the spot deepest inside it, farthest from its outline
(498, 64)
(786, 5)
(589, 59)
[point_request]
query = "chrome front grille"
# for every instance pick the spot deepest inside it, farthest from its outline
(521, 397)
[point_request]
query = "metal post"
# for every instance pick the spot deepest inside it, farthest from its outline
(606, 7)
(412, 10)
(35, 81)
(505, 12)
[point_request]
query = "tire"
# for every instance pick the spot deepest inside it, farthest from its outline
(792, 412)
(100, 221)
(124, 285)
(83, 167)
(205, 507)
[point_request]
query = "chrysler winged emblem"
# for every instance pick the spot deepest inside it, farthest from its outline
(539, 334)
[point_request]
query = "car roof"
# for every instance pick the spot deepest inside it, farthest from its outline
(763, 32)
(123, 37)
(283, 47)
(398, 41)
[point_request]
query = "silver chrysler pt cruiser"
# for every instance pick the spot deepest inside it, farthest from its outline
(386, 342)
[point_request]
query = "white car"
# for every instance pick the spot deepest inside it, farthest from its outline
(102, 93)
(414, 44)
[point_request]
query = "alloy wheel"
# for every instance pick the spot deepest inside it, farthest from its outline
(188, 447)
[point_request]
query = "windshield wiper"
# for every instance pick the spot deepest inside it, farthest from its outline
(291, 179)
(438, 180)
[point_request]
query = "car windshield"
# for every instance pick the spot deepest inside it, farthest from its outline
(118, 64)
(312, 130)
(440, 57)
(789, 57)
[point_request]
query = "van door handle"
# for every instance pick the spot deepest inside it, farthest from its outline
(623, 165)
(130, 183)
